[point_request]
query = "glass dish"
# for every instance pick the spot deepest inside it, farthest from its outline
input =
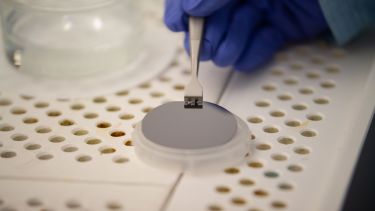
(71, 38)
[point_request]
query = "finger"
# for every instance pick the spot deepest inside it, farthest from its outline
(308, 17)
(174, 16)
(215, 28)
(203, 7)
(265, 43)
(243, 23)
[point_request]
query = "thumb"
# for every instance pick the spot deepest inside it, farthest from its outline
(202, 8)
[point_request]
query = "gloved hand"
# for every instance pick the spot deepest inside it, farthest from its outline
(246, 33)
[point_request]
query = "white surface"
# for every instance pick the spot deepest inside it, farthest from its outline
(115, 174)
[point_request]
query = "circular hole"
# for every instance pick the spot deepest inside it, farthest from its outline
(103, 125)
(80, 132)
(262, 103)
(252, 137)
(186, 72)
(147, 109)
(284, 97)
(277, 72)
(157, 94)
(295, 168)
(77, 106)
(299, 107)
(90, 115)
(313, 75)
(293, 123)
(26, 97)
(238, 201)
(302, 50)
(246, 182)
(301, 151)
(255, 164)
(99, 100)
(278, 204)
(338, 53)
(286, 140)
(279, 157)
(232, 170)
(269, 87)
(222, 189)
(126, 116)
(5, 102)
(63, 99)
(42, 129)
(214, 207)
(254, 209)
(6, 128)
(41, 105)
(30, 120)
(144, 86)
(8, 154)
(285, 186)
(179, 87)
(93, 141)
(114, 205)
(122, 93)
(83, 158)
(263, 147)
(69, 148)
(32, 146)
(120, 159)
(128, 143)
(270, 129)
(117, 133)
(306, 91)
(19, 137)
(18, 111)
(332, 68)
(34, 202)
(107, 150)
(308, 133)
(260, 193)
(73, 204)
(53, 113)
(255, 120)
(314, 117)
(113, 108)
(328, 84)
(56, 139)
(296, 66)
(277, 113)
(291, 81)
(44, 156)
(281, 56)
(317, 60)
(164, 79)
(66, 122)
(135, 101)
(271, 174)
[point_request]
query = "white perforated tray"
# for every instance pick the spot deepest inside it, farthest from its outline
(309, 112)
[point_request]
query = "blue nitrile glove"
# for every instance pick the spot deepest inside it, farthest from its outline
(246, 33)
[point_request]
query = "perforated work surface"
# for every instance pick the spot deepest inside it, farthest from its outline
(78, 154)
(303, 110)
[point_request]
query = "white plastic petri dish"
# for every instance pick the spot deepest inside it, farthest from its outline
(194, 140)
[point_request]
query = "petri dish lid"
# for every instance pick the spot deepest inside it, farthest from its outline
(173, 137)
